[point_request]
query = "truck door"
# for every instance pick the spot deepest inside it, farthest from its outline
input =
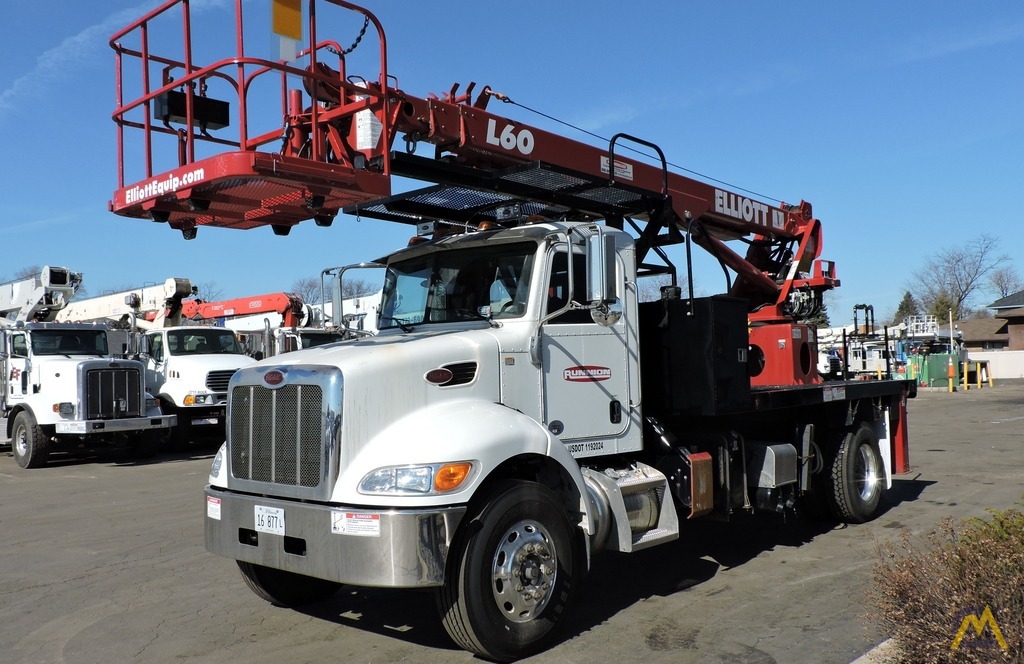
(16, 368)
(156, 356)
(585, 367)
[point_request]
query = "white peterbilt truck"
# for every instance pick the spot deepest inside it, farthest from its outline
(61, 386)
(520, 409)
(496, 434)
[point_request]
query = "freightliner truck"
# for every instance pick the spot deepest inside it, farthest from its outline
(521, 409)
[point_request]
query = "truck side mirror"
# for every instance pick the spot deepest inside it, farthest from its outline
(600, 268)
(336, 301)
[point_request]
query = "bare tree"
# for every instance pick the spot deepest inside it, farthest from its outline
(953, 277)
(308, 288)
(358, 288)
(28, 271)
(209, 291)
(23, 273)
(649, 288)
(1005, 281)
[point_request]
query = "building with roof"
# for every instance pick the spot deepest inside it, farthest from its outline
(1011, 301)
(984, 333)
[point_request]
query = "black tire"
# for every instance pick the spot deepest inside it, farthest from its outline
(515, 542)
(30, 444)
(856, 478)
(816, 504)
(146, 444)
(283, 588)
(179, 436)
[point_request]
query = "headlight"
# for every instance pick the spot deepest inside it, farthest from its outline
(218, 461)
(152, 403)
(195, 399)
(412, 480)
(64, 408)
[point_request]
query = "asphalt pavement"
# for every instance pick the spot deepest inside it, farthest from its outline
(103, 561)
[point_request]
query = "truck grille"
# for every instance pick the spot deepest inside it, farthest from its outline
(217, 381)
(276, 435)
(113, 393)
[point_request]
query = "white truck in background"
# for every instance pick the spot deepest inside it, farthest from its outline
(60, 389)
(186, 366)
(189, 368)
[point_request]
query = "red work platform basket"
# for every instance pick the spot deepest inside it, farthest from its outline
(229, 143)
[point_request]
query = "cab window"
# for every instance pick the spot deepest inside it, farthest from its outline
(156, 347)
(558, 289)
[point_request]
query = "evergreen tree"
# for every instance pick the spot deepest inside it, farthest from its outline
(908, 307)
(941, 305)
(820, 319)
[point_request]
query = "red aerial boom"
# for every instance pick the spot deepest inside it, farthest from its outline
(289, 305)
(332, 147)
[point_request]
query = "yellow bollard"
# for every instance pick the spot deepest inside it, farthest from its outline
(967, 385)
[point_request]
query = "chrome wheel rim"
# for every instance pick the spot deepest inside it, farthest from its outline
(866, 472)
(20, 441)
(523, 571)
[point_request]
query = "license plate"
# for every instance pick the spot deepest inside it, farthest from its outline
(199, 421)
(269, 519)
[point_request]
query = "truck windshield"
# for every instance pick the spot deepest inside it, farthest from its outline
(458, 285)
(202, 341)
(69, 342)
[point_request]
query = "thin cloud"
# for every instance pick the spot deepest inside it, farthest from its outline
(37, 224)
(60, 62)
(937, 46)
(606, 116)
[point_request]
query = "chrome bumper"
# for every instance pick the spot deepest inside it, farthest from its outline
(119, 425)
(390, 548)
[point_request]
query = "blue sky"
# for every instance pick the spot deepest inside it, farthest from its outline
(900, 122)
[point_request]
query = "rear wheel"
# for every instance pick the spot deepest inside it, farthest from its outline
(30, 444)
(510, 573)
(857, 476)
(286, 588)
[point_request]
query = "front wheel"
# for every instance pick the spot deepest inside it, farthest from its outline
(30, 444)
(177, 438)
(857, 476)
(146, 444)
(511, 573)
(284, 588)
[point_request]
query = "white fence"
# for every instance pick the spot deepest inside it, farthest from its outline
(1003, 363)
